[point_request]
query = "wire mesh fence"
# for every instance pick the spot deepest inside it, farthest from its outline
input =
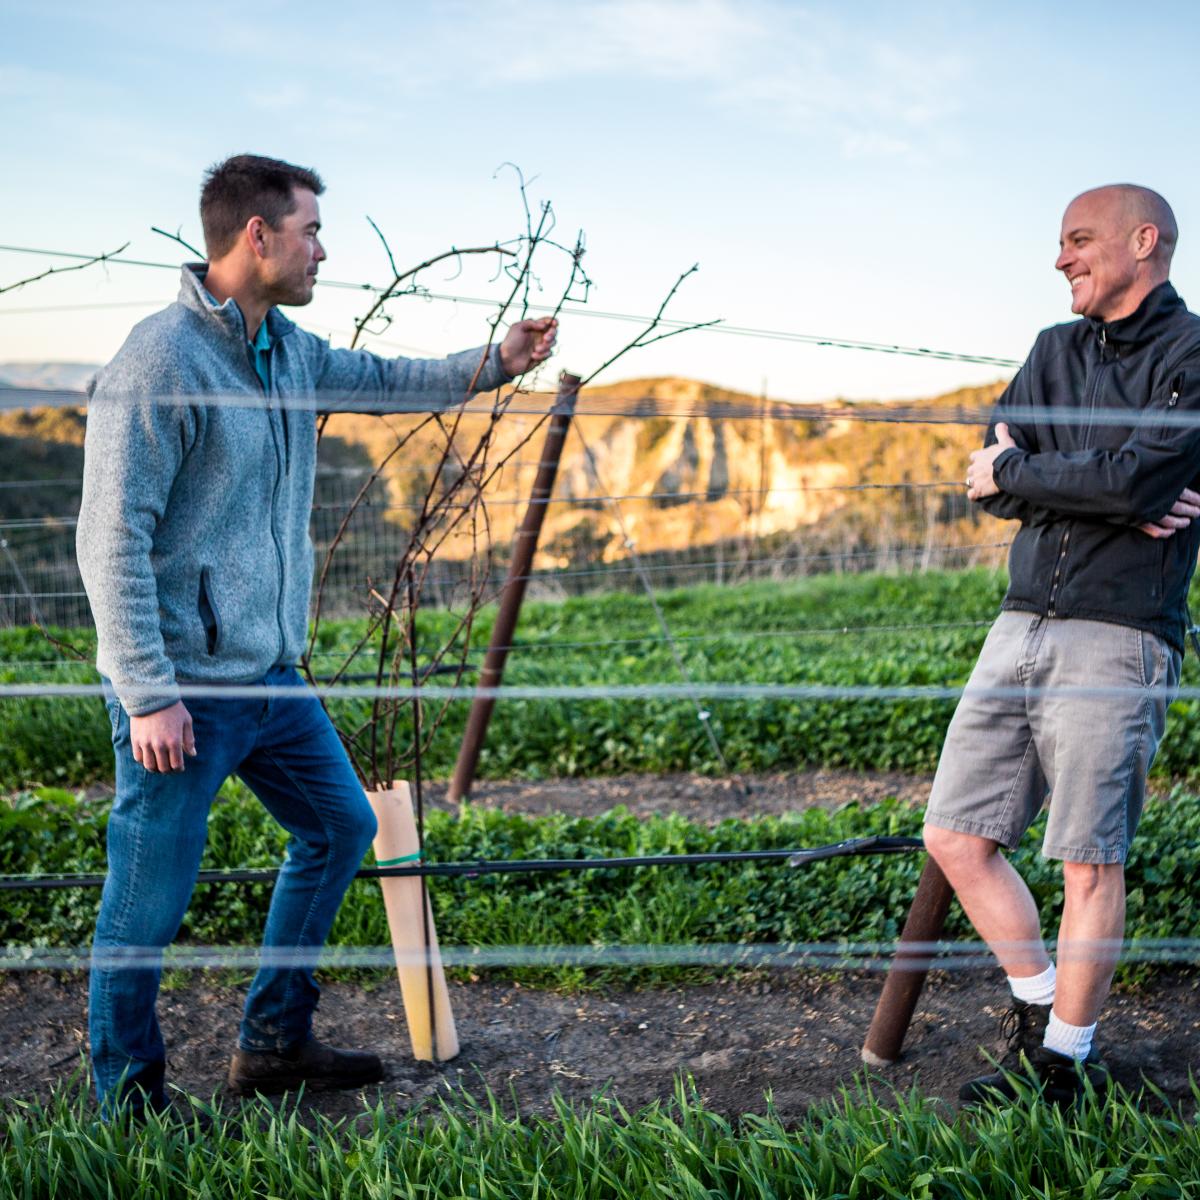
(676, 501)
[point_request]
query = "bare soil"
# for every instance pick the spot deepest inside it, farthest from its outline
(696, 797)
(796, 1035)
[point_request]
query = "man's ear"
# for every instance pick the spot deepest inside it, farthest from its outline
(255, 233)
(1145, 239)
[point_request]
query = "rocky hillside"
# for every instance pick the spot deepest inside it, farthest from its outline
(689, 479)
(683, 477)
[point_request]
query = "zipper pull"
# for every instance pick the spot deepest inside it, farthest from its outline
(1176, 388)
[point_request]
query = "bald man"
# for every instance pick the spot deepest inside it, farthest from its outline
(1095, 449)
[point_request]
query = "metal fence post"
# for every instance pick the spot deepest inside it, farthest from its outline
(524, 545)
(906, 976)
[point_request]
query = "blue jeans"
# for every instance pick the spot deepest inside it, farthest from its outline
(288, 753)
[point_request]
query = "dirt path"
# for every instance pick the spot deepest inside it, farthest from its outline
(696, 797)
(797, 1036)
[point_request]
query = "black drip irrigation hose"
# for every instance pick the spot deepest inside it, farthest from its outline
(520, 866)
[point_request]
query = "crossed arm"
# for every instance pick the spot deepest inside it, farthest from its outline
(1141, 484)
(982, 485)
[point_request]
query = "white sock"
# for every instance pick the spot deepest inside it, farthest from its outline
(1072, 1040)
(1034, 989)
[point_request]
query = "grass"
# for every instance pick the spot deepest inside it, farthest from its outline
(865, 1144)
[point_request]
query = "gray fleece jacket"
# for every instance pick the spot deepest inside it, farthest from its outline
(193, 535)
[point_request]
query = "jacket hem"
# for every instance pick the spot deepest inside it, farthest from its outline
(1172, 634)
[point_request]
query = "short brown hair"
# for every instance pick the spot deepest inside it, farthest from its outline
(246, 186)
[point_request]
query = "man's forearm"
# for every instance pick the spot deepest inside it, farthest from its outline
(359, 381)
(1129, 486)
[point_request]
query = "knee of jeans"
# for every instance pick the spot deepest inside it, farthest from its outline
(367, 827)
(354, 833)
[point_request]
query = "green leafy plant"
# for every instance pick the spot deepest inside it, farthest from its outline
(869, 631)
(839, 901)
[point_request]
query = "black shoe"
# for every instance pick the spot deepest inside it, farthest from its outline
(1023, 1028)
(317, 1066)
(1057, 1078)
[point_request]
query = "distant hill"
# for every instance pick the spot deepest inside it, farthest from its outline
(683, 480)
(69, 376)
(740, 483)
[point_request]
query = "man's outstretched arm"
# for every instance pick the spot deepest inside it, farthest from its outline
(361, 381)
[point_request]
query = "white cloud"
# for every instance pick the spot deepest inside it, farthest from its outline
(680, 39)
(876, 93)
(874, 145)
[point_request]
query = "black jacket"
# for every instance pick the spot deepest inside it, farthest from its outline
(1106, 418)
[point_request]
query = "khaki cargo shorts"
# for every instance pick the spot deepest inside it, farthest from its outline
(1060, 708)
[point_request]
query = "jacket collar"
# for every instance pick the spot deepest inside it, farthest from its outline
(1145, 323)
(227, 317)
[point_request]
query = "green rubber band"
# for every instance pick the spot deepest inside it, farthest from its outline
(395, 862)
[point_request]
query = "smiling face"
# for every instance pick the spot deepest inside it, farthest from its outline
(1104, 253)
(293, 252)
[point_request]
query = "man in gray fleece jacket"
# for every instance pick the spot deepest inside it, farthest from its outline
(193, 543)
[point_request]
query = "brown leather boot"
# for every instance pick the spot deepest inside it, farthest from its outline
(317, 1066)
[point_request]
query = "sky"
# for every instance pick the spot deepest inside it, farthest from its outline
(871, 171)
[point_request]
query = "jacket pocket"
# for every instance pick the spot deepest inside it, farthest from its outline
(1165, 406)
(210, 618)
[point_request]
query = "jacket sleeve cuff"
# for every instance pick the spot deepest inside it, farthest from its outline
(494, 375)
(140, 700)
(1005, 457)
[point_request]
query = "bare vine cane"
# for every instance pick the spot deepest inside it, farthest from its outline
(525, 545)
(91, 262)
(452, 504)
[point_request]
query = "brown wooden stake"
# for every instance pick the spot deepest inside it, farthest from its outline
(524, 545)
(906, 976)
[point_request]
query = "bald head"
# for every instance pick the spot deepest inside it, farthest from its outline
(1115, 248)
(1136, 205)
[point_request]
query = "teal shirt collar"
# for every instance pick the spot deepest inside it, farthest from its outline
(260, 350)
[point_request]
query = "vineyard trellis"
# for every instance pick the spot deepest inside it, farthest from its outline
(397, 552)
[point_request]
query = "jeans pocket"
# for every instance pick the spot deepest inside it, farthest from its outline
(1160, 663)
(119, 720)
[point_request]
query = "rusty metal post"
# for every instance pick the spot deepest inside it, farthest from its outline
(524, 545)
(906, 976)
